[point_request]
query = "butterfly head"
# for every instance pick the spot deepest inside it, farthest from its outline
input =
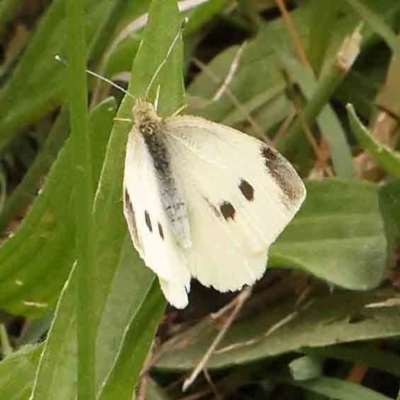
(145, 117)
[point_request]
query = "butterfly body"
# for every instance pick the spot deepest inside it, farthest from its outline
(204, 200)
(152, 128)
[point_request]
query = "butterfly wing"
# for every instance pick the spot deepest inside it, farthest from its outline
(240, 195)
(148, 224)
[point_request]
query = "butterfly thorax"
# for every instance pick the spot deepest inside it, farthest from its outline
(153, 130)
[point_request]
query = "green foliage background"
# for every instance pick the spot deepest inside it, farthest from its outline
(345, 236)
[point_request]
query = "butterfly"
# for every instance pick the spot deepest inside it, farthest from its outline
(203, 200)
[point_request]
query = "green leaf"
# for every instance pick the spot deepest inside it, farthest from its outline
(203, 14)
(26, 191)
(163, 26)
(17, 373)
(327, 120)
(305, 368)
(80, 168)
(329, 318)
(338, 235)
(339, 389)
(386, 158)
(154, 392)
(322, 21)
(45, 238)
(59, 356)
(135, 344)
(58, 365)
(375, 20)
(367, 354)
(37, 85)
(389, 203)
(128, 303)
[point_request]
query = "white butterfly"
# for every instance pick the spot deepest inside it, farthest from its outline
(204, 200)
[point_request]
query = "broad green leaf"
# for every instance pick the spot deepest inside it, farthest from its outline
(389, 204)
(387, 158)
(59, 356)
(37, 258)
(17, 373)
(57, 370)
(338, 235)
(326, 319)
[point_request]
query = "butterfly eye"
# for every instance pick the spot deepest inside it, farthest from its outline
(148, 221)
(227, 210)
(247, 190)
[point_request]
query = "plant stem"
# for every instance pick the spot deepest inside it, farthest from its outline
(82, 197)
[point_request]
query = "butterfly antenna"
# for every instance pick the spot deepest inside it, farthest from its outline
(157, 97)
(163, 62)
(104, 79)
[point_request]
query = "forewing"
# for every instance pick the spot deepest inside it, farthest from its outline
(240, 195)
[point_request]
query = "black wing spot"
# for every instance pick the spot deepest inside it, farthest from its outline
(269, 155)
(247, 190)
(283, 174)
(127, 200)
(148, 221)
(161, 231)
(227, 210)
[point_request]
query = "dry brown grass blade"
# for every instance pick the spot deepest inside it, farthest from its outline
(239, 302)
(301, 54)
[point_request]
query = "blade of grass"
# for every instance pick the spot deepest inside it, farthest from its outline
(290, 143)
(82, 197)
(360, 353)
(17, 373)
(163, 25)
(134, 347)
(321, 31)
(105, 34)
(339, 389)
(376, 23)
(386, 158)
(328, 123)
